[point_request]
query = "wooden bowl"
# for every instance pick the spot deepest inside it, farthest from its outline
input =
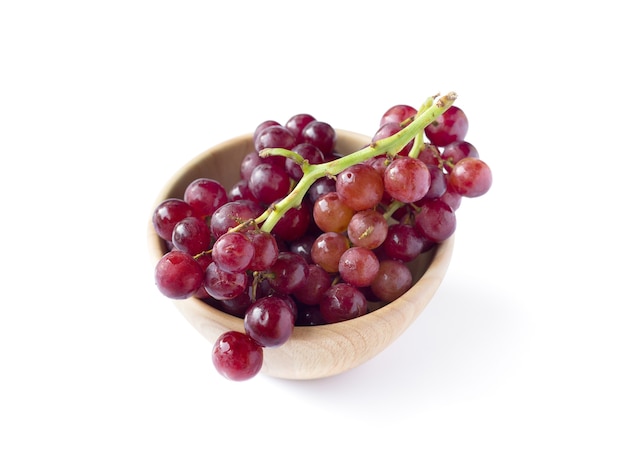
(318, 351)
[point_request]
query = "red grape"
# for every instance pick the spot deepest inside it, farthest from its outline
(249, 163)
(402, 242)
(269, 321)
(430, 155)
(167, 214)
(177, 275)
(320, 134)
(297, 123)
(360, 186)
(191, 235)
(205, 195)
(407, 179)
(393, 279)
(436, 221)
(455, 151)
(302, 246)
(398, 113)
(470, 177)
(294, 223)
(224, 285)
(265, 250)
(233, 214)
(342, 302)
(238, 305)
(331, 213)
(233, 252)
(240, 191)
(269, 182)
(262, 126)
(387, 130)
(451, 198)
(438, 183)
(320, 187)
(316, 284)
(358, 266)
(327, 250)
(236, 356)
(450, 127)
(274, 136)
(368, 228)
(308, 152)
(288, 273)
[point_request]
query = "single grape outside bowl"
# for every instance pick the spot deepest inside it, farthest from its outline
(312, 352)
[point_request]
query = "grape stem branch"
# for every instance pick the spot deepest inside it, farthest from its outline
(433, 107)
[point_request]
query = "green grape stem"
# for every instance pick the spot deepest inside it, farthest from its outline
(435, 106)
(418, 142)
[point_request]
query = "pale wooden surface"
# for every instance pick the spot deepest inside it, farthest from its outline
(311, 352)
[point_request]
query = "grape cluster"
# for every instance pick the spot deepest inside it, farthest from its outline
(307, 237)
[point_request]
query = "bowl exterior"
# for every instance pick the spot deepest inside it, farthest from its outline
(318, 351)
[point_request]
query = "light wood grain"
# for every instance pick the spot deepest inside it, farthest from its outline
(311, 352)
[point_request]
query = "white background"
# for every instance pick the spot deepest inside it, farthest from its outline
(516, 366)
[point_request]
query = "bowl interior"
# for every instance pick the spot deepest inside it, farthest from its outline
(311, 352)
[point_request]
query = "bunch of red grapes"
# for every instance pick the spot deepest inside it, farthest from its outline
(343, 248)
